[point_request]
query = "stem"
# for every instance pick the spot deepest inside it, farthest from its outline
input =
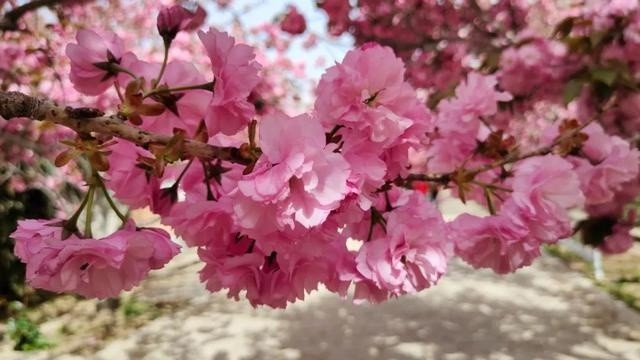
(184, 171)
(112, 204)
(376, 218)
(485, 123)
(371, 224)
(124, 70)
(76, 215)
(205, 86)
(164, 65)
(89, 213)
(491, 186)
(388, 201)
(252, 134)
(207, 181)
(116, 84)
(489, 199)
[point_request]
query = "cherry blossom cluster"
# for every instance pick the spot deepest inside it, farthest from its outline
(557, 60)
(335, 197)
(33, 60)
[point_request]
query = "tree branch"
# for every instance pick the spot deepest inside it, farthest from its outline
(9, 22)
(87, 121)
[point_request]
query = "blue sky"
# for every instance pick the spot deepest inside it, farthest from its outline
(255, 12)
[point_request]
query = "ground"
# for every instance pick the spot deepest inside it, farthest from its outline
(543, 312)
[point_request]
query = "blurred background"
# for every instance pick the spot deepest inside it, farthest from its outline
(574, 303)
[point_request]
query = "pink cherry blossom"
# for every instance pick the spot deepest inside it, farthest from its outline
(610, 162)
(236, 75)
(414, 253)
(458, 122)
(375, 113)
(338, 11)
(91, 58)
(177, 18)
(239, 265)
(620, 240)
(293, 21)
(99, 268)
(501, 243)
(544, 188)
(130, 183)
(184, 110)
(539, 56)
(301, 176)
(203, 222)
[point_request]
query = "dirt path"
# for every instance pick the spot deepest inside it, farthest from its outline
(543, 312)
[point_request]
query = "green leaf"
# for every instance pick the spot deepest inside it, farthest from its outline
(606, 76)
(572, 90)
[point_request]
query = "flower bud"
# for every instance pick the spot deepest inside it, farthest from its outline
(176, 18)
(293, 22)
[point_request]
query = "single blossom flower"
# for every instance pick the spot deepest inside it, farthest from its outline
(373, 112)
(236, 75)
(293, 22)
(93, 60)
(176, 18)
(274, 270)
(620, 240)
(200, 222)
(298, 176)
(93, 268)
(459, 121)
(183, 110)
(609, 163)
(544, 187)
(500, 242)
(130, 183)
(414, 253)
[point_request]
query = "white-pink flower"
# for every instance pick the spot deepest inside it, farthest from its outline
(91, 58)
(501, 242)
(236, 75)
(544, 187)
(414, 253)
(377, 115)
(300, 176)
(99, 268)
(610, 162)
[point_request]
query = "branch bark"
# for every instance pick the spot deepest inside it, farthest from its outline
(9, 22)
(87, 121)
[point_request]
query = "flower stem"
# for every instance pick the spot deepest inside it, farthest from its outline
(124, 70)
(164, 66)
(89, 212)
(116, 84)
(205, 86)
(76, 215)
(184, 171)
(207, 180)
(112, 204)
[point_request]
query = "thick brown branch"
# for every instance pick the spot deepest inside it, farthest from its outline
(15, 104)
(9, 22)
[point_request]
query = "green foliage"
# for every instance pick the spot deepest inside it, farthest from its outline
(24, 332)
(134, 308)
(572, 90)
